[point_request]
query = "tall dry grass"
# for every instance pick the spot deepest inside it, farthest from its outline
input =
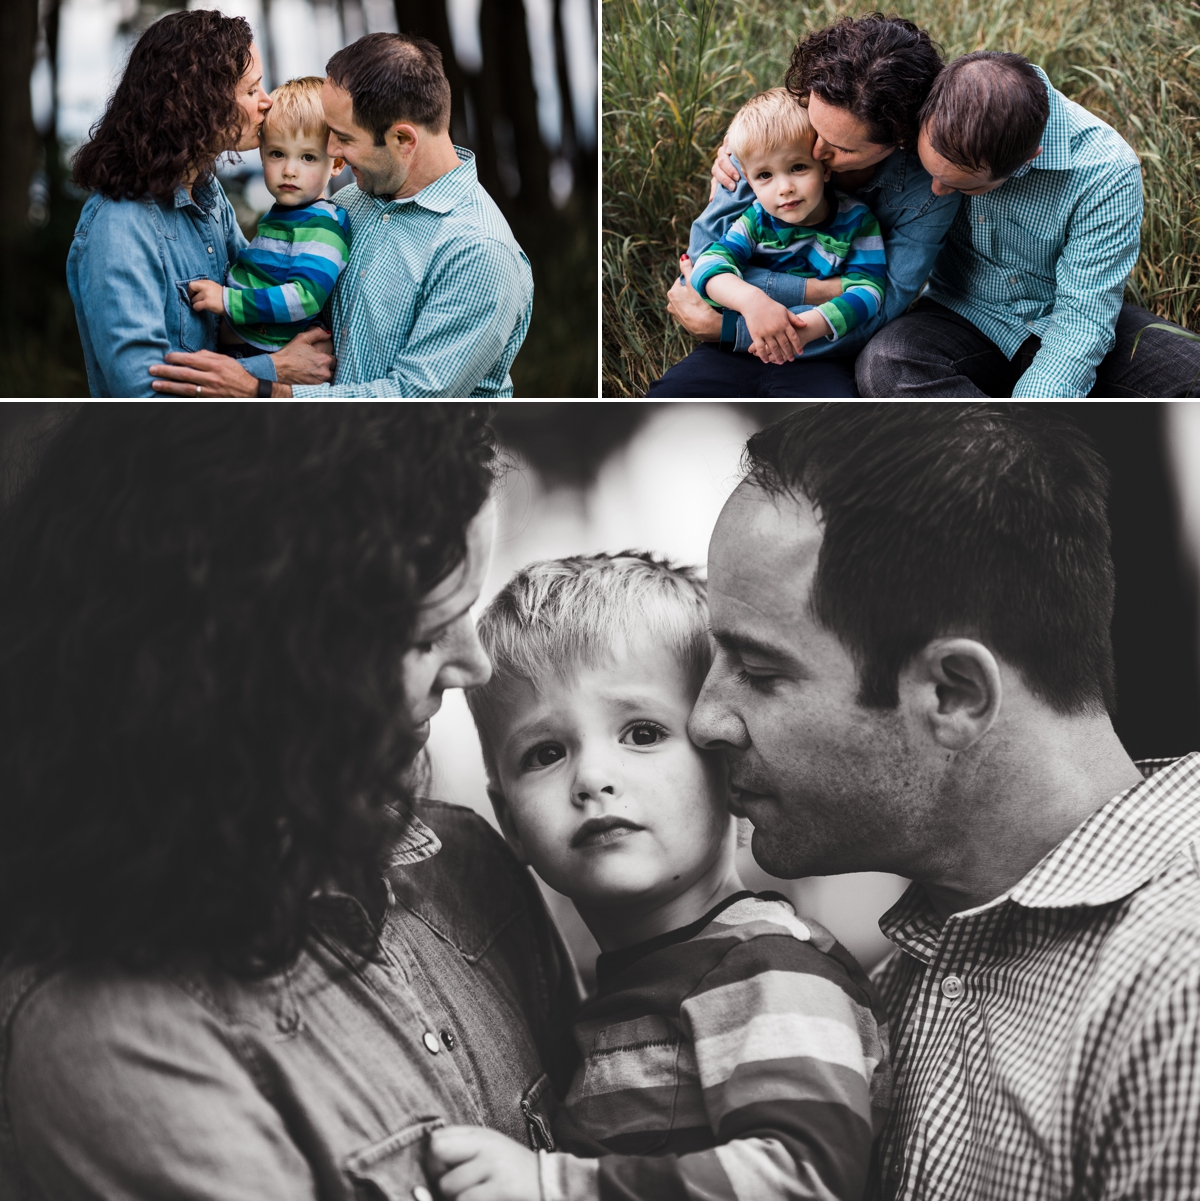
(675, 71)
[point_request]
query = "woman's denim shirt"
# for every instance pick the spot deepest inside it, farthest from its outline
(128, 270)
(321, 1082)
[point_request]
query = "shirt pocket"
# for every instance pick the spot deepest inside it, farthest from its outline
(630, 1087)
(196, 331)
(537, 1107)
(394, 1167)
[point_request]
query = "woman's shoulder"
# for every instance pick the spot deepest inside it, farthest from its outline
(109, 214)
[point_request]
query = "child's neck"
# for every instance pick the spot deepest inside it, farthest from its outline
(624, 924)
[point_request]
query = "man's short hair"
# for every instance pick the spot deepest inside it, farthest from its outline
(878, 68)
(556, 616)
(987, 521)
(767, 121)
(987, 112)
(296, 109)
(392, 77)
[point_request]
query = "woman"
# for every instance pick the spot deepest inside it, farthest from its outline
(863, 81)
(240, 959)
(157, 217)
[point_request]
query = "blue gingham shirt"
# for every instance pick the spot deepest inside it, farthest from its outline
(1049, 251)
(436, 298)
(1047, 1044)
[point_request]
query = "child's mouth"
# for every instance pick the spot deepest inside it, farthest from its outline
(597, 831)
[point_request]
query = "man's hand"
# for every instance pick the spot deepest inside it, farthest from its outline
(206, 374)
(207, 296)
(306, 359)
(773, 329)
(724, 172)
(684, 303)
(481, 1165)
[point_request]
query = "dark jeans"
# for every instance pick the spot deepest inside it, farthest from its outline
(931, 351)
(710, 371)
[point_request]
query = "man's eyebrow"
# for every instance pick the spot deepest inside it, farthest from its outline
(745, 644)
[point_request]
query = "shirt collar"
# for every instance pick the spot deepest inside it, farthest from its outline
(203, 197)
(1056, 137)
(1124, 844)
(446, 191)
(417, 842)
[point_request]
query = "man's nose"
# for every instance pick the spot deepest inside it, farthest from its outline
(940, 189)
(714, 725)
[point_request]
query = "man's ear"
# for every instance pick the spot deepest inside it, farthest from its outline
(507, 825)
(955, 686)
(404, 136)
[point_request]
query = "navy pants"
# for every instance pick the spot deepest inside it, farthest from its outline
(710, 371)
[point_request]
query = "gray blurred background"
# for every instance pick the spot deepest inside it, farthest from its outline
(595, 476)
(523, 85)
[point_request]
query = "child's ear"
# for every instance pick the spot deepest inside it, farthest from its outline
(338, 164)
(828, 171)
(507, 825)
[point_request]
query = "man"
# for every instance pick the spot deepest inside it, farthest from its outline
(864, 82)
(437, 295)
(911, 606)
(1026, 298)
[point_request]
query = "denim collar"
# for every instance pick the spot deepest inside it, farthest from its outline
(203, 198)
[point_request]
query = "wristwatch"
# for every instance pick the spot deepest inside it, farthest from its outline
(264, 389)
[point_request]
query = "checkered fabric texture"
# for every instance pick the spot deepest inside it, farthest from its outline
(1049, 251)
(1047, 1044)
(741, 1057)
(436, 298)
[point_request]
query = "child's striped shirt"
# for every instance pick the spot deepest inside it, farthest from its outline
(847, 243)
(280, 282)
(742, 1057)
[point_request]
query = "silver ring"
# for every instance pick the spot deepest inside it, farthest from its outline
(197, 389)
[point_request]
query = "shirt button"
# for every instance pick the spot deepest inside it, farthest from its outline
(210, 250)
(952, 988)
(421, 1193)
(431, 1043)
(448, 1040)
(387, 216)
(362, 275)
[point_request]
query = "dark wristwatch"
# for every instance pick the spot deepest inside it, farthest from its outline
(263, 391)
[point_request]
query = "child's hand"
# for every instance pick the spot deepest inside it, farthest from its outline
(775, 338)
(482, 1165)
(810, 326)
(207, 296)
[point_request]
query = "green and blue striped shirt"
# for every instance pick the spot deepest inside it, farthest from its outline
(848, 243)
(437, 296)
(742, 1057)
(276, 286)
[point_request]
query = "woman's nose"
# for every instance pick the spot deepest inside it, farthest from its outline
(467, 665)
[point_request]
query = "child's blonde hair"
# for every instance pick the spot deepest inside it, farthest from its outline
(296, 108)
(770, 119)
(556, 616)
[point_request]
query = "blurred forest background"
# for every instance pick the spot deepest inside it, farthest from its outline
(675, 71)
(523, 80)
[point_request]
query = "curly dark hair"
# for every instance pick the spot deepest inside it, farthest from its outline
(879, 68)
(174, 110)
(203, 613)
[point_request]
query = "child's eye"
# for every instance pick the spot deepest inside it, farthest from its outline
(800, 167)
(545, 755)
(645, 733)
(764, 175)
(309, 158)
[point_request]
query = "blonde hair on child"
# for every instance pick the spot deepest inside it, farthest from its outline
(296, 108)
(558, 615)
(770, 119)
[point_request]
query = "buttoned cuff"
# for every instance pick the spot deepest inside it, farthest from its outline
(261, 366)
(567, 1177)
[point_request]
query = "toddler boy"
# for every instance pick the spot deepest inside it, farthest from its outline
(733, 1049)
(797, 224)
(278, 285)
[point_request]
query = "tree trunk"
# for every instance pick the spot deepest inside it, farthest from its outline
(18, 38)
(428, 19)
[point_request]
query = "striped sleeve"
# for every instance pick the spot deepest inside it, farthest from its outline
(864, 278)
(791, 1058)
(289, 270)
(729, 254)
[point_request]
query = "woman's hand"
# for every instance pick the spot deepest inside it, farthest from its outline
(207, 296)
(700, 320)
(481, 1165)
(724, 172)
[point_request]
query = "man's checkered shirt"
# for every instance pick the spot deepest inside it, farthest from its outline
(1047, 1044)
(1049, 251)
(436, 298)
